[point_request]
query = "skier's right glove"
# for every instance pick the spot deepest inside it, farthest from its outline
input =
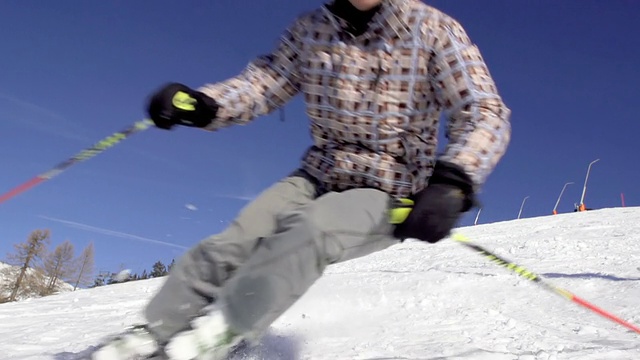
(177, 104)
(431, 213)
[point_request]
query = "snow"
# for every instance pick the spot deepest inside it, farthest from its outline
(4, 266)
(411, 301)
(7, 278)
(4, 279)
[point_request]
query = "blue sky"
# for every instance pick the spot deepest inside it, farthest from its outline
(74, 72)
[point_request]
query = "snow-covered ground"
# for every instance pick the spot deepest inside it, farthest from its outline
(412, 301)
(7, 279)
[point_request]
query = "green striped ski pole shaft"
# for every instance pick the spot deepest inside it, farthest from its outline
(83, 155)
(538, 280)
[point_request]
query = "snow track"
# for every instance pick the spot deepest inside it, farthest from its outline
(414, 301)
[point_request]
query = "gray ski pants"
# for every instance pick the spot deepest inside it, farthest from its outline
(275, 249)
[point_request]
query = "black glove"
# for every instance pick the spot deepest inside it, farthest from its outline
(436, 209)
(177, 104)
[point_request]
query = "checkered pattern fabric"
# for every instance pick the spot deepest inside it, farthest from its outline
(375, 100)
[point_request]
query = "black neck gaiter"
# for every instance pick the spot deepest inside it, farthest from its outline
(358, 20)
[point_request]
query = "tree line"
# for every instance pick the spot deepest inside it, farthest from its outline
(37, 271)
(158, 269)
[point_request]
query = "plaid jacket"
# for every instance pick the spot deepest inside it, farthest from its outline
(375, 100)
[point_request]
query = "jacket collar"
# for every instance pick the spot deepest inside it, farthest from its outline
(392, 20)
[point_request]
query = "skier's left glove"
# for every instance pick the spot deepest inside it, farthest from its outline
(177, 104)
(430, 214)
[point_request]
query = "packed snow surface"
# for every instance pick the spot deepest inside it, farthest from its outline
(411, 301)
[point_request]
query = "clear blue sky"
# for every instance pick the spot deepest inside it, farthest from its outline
(74, 72)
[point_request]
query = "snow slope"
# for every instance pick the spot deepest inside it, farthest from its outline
(412, 301)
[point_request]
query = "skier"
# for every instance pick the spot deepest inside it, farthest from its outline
(376, 76)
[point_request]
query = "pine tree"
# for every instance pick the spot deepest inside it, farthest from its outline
(159, 270)
(27, 256)
(101, 279)
(86, 263)
(59, 265)
(111, 278)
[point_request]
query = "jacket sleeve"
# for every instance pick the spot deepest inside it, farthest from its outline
(266, 84)
(478, 122)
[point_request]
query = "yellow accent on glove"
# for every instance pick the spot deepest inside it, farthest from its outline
(184, 101)
(400, 211)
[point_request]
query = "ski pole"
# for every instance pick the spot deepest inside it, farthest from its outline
(83, 155)
(538, 280)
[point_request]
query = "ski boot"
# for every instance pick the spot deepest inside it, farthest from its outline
(208, 338)
(135, 343)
